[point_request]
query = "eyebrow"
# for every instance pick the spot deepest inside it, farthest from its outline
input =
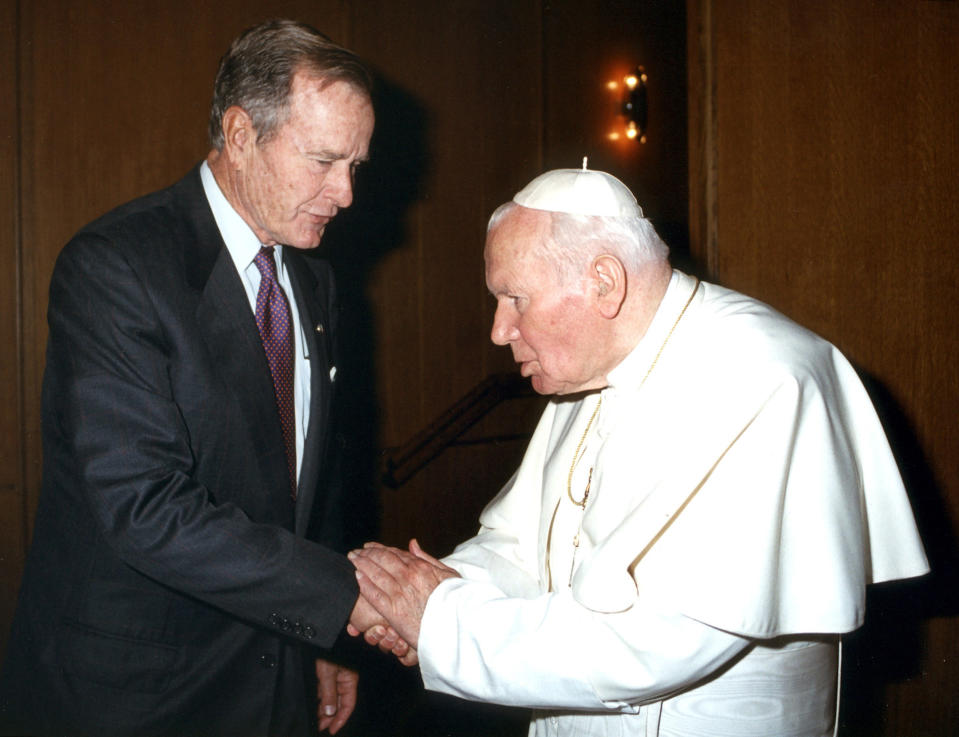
(334, 156)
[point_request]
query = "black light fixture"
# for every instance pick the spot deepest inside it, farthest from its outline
(634, 105)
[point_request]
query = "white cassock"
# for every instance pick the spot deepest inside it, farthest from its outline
(742, 495)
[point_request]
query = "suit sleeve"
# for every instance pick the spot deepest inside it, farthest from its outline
(109, 367)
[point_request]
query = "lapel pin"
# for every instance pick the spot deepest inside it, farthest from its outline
(319, 328)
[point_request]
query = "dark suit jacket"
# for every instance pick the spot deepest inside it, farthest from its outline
(170, 585)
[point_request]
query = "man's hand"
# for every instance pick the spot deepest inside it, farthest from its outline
(398, 584)
(364, 618)
(366, 621)
(336, 688)
(388, 640)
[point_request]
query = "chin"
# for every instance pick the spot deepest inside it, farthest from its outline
(540, 386)
(307, 243)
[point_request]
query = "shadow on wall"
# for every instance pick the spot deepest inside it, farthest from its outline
(888, 648)
(357, 241)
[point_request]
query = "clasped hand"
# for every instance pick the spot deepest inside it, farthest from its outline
(394, 588)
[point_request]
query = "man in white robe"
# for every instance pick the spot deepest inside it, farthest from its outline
(697, 515)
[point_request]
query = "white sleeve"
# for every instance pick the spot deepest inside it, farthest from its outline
(551, 652)
(495, 556)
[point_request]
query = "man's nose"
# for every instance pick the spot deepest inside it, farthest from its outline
(504, 330)
(339, 184)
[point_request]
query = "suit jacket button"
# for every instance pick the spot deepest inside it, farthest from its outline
(274, 619)
(285, 625)
(268, 660)
(309, 632)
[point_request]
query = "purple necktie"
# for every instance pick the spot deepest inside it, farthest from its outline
(276, 328)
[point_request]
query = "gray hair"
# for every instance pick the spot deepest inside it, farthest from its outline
(257, 71)
(575, 240)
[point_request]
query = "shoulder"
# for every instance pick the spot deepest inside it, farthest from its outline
(156, 212)
(167, 228)
(744, 336)
(731, 354)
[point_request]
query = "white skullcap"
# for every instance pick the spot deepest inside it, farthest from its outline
(579, 192)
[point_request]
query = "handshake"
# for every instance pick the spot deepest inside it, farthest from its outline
(394, 588)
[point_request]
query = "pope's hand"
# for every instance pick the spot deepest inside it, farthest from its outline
(398, 584)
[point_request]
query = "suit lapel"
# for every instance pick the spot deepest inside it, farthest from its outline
(311, 300)
(226, 322)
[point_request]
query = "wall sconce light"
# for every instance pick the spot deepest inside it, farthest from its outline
(633, 106)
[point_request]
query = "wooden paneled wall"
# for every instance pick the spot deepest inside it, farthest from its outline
(824, 147)
(12, 508)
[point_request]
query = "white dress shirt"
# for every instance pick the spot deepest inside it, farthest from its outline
(243, 246)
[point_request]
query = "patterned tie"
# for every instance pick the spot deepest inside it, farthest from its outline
(276, 328)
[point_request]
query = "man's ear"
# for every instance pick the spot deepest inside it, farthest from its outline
(238, 135)
(609, 276)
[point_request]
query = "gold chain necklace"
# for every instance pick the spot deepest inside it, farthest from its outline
(577, 456)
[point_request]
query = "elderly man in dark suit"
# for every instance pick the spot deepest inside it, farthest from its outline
(184, 558)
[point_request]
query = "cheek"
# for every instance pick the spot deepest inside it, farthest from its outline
(544, 337)
(284, 187)
(264, 184)
(551, 327)
(303, 187)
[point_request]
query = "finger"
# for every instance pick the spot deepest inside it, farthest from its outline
(374, 635)
(371, 564)
(370, 590)
(401, 648)
(339, 720)
(411, 658)
(391, 559)
(346, 687)
(352, 631)
(326, 693)
(389, 640)
(416, 550)
(377, 585)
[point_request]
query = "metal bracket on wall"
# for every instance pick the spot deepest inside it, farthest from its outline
(402, 463)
